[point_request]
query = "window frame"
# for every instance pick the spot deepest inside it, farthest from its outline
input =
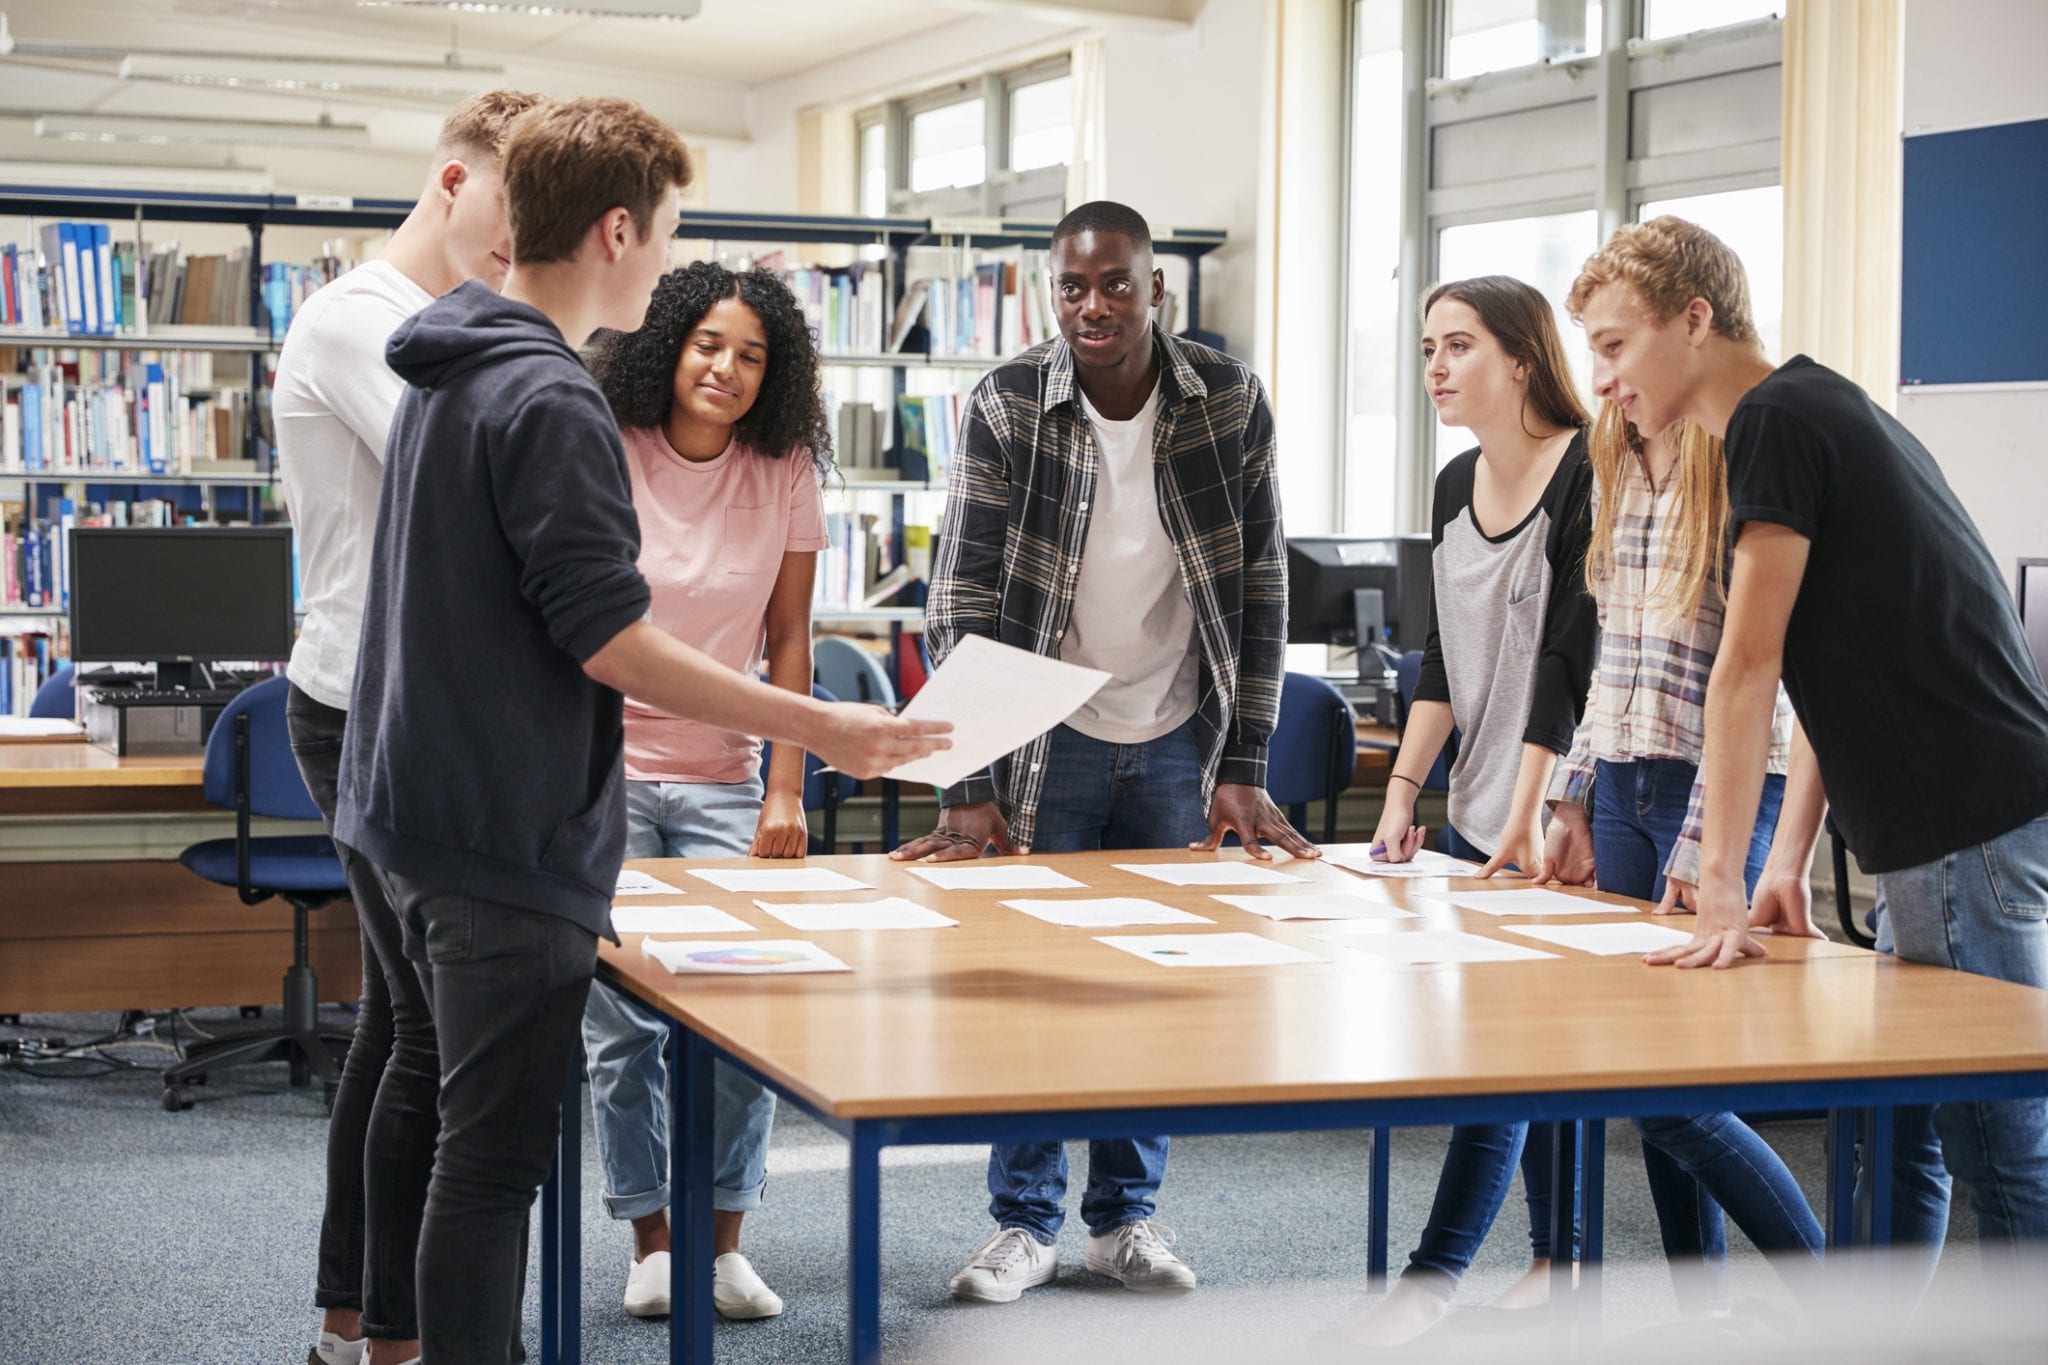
(1617, 83)
(999, 185)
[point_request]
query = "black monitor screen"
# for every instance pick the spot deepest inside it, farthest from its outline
(2034, 609)
(202, 593)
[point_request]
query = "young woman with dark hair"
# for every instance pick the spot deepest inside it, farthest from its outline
(719, 408)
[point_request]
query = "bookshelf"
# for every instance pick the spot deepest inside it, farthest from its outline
(889, 242)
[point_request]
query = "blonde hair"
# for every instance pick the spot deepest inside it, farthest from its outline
(1695, 538)
(1669, 262)
(567, 165)
(479, 125)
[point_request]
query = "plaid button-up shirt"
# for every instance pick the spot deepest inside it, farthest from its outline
(1649, 693)
(1018, 493)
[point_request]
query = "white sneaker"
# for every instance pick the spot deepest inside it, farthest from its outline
(647, 1287)
(335, 1350)
(1137, 1254)
(1007, 1264)
(738, 1293)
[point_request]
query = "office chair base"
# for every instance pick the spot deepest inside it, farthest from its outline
(309, 1054)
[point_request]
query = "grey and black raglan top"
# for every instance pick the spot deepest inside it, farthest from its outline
(1512, 634)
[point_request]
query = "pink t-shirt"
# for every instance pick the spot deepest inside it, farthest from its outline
(712, 537)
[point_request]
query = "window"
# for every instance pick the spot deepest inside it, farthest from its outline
(1673, 18)
(874, 169)
(1752, 223)
(1545, 252)
(1509, 136)
(1494, 35)
(1041, 124)
(947, 147)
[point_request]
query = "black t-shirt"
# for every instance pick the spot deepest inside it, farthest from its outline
(1904, 657)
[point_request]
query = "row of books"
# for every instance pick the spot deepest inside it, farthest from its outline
(143, 423)
(197, 291)
(865, 565)
(846, 307)
(27, 659)
(73, 278)
(286, 288)
(926, 428)
(33, 568)
(188, 369)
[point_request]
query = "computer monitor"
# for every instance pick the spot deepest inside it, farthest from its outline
(180, 597)
(2033, 599)
(1325, 574)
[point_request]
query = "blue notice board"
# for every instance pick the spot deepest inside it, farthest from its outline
(1974, 296)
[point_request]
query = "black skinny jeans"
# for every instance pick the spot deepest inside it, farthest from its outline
(507, 987)
(380, 1138)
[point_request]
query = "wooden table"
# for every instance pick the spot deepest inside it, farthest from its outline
(918, 1044)
(140, 933)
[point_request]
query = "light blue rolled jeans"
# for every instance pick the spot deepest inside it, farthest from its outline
(624, 1040)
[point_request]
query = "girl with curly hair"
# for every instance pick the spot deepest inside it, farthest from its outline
(719, 408)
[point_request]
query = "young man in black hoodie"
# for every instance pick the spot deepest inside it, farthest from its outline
(505, 616)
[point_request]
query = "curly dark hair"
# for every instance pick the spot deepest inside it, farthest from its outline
(637, 370)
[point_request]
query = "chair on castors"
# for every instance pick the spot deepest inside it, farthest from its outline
(823, 791)
(250, 770)
(57, 698)
(1314, 750)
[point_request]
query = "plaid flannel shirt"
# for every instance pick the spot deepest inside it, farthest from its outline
(1017, 499)
(1649, 692)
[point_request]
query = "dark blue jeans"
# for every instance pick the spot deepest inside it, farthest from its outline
(1697, 1164)
(1101, 796)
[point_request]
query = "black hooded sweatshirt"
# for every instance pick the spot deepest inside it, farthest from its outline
(480, 758)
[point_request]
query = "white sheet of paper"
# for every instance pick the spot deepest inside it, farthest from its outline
(1317, 906)
(1226, 873)
(999, 698)
(1105, 913)
(38, 727)
(1529, 900)
(1012, 877)
(1432, 945)
(1427, 863)
(1615, 939)
(636, 883)
(676, 919)
(763, 957)
(1209, 950)
(891, 912)
(778, 879)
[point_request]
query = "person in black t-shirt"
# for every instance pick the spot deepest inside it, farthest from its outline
(1859, 578)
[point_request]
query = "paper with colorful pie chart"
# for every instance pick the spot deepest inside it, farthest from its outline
(727, 957)
(1209, 950)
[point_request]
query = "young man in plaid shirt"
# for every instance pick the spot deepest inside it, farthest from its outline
(1114, 503)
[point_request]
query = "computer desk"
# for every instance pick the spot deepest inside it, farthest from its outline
(91, 934)
(1008, 1028)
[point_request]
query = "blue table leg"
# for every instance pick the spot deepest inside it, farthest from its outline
(1564, 1240)
(864, 1249)
(691, 1101)
(1376, 1210)
(1877, 1167)
(561, 1236)
(1841, 1153)
(1593, 1192)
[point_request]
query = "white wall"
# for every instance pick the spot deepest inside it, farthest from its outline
(1968, 63)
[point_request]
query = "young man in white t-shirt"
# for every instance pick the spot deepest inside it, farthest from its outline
(1113, 503)
(333, 399)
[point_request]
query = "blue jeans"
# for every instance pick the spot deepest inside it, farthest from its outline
(623, 1039)
(1697, 1164)
(1983, 909)
(1101, 796)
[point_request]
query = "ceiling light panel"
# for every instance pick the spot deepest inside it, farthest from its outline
(311, 75)
(162, 131)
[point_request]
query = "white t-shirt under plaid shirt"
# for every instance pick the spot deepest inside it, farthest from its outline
(1649, 693)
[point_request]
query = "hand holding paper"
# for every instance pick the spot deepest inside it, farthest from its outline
(998, 699)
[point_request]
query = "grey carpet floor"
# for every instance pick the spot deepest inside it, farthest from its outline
(132, 1234)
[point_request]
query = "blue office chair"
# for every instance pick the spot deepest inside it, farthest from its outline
(1314, 750)
(250, 769)
(822, 791)
(57, 698)
(846, 670)
(1408, 673)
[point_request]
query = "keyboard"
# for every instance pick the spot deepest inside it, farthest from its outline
(148, 696)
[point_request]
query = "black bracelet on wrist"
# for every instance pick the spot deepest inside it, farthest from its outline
(1397, 777)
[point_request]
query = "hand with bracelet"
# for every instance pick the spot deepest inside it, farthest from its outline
(1398, 838)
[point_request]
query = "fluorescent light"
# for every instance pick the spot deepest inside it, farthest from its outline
(112, 176)
(588, 9)
(213, 131)
(312, 74)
